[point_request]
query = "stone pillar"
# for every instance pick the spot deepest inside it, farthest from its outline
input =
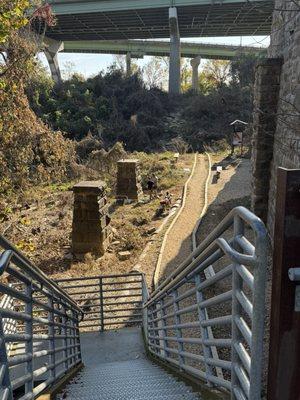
(266, 92)
(128, 180)
(90, 231)
(174, 68)
(51, 50)
(128, 65)
(195, 62)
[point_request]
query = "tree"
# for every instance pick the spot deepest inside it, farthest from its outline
(217, 72)
(242, 69)
(29, 150)
(12, 17)
(155, 73)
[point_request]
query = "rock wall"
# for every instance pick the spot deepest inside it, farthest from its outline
(285, 141)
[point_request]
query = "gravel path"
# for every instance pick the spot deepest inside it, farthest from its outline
(179, 244)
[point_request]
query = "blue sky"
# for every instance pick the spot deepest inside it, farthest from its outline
(91, 64)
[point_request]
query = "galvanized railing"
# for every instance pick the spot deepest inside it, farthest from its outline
(176, 314)
(39, 328)
(108, 301)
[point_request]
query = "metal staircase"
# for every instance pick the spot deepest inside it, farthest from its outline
(48, 328)
(125, 374)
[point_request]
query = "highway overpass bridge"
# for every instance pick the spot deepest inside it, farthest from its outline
(99, 20)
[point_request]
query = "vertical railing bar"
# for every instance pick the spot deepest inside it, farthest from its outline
(101, 305)
(258, 319)
(162, 331)
(177, 320)
(73, 341)
(51, 332)
(237, 284)
(6, 383)
(202, 315)
(65, 333)
(29, 344)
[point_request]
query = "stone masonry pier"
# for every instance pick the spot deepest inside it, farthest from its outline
(90, 231)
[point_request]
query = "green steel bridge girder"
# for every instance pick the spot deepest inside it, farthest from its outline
(66, 7)
(144, 19)
(139, 48)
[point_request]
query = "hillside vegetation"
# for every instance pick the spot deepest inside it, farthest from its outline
(112, 107)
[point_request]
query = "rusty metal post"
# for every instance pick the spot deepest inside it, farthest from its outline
(284, 351)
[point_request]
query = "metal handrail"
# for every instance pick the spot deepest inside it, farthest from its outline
(176, 312)
(39, 327)
(108, 301)
(19, 259)
(189, 263)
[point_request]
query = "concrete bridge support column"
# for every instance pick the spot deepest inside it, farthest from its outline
(195, 62)
(174, 68)
(128, 65)
(51, 52)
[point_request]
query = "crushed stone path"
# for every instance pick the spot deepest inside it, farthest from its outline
(179, 241)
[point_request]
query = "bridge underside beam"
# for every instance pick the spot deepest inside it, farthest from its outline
(158, 48)
(141, 19)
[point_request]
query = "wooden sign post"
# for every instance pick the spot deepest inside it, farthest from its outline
(284, 352)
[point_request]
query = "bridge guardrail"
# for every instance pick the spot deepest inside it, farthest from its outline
(176, 319)
(39, 333)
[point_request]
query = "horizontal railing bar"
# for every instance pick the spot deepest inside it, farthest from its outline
(124, 322)
(244, 302)
(121, 296)
(193, 324)
(15, 383)
(214, 362)
(244, 380)
(243, 355)
(14, 293)
(246, 275)
(244, 329)
(19, 359)
(223, 273)
(123, 316)
(239, 394)
(245, 244)
(216, 299)
(208, 342)
(82, 278)
(226, 319)
(122, 302)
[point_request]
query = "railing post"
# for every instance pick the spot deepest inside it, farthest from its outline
(51, 333)
(178, 331)
(202, 315)
(237, 285)
(145, 296)
(162, 330)
(29, 343)
(65, 334)
(101, 305)
(72, 340)
(5, 383)
(284, 351)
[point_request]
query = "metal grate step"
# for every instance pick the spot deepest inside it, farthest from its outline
(127, 380)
